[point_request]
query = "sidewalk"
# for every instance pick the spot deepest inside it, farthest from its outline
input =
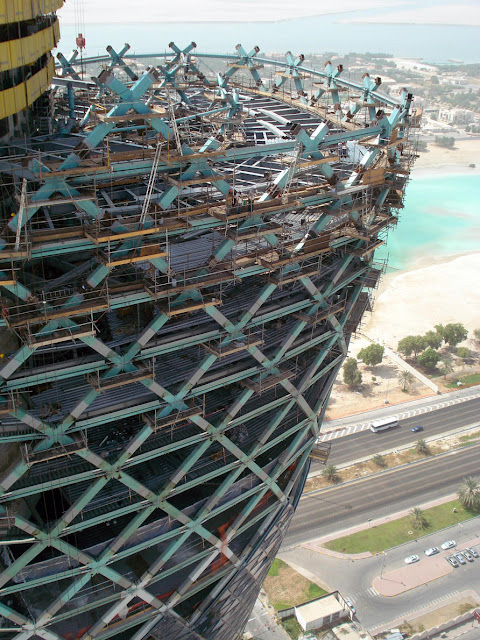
(389, 410)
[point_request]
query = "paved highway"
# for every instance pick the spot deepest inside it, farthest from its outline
(358, 445)
(347, 505)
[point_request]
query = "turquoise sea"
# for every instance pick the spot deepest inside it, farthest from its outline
(317, 34)
(441, 217)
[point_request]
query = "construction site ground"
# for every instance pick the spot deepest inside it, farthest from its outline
(381, 384)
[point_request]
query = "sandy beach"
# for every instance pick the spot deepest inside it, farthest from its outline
(437, 290)
(434, 290)
(455, 160)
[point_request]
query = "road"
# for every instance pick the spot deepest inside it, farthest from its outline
(366, 442)
(353, 578)
(347, 505)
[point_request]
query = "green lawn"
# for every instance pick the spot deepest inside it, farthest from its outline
(470, 438)
(473, 378)
(277, 564)
(391, 534)
(292, 627)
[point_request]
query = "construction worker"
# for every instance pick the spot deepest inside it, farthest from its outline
(229, 201)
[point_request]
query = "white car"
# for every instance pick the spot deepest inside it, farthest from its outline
(449, 544)
(411, 559)
(432, 551)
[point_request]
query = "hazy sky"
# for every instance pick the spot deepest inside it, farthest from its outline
(415, 11)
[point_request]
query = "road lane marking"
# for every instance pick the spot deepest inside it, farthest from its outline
(343, 431)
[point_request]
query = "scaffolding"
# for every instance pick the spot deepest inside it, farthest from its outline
(180, 277)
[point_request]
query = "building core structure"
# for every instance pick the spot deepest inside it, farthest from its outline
(184, 259)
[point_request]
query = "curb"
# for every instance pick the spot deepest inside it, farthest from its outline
(405, 447)
(390, 405)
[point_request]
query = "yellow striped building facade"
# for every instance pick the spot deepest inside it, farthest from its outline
(29, 30)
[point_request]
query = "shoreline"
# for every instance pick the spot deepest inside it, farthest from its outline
(435, 288)
(438, 161)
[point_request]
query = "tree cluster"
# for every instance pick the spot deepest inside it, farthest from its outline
(424, 348)
(445, 141)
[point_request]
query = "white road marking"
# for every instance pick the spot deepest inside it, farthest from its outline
(362, 426)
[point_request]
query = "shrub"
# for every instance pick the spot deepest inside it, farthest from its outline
(351, 375)
(379, 460)
(428, 358)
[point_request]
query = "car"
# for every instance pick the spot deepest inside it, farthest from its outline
(472, 551)
(432, 551)
(452, 561)
(449, 544)
(467, 555)
(411, 559)
(349, 604)
(460, 558)
(417, 428)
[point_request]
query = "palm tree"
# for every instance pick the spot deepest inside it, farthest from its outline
(406, 379)
(422, 447)
(417, 518)
(469, 493)
(330, 473)
(379, 460)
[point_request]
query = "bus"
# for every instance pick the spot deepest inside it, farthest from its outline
(385, 423)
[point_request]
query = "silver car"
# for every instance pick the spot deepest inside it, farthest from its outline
(473, 552)
(467, 555)
(460, 558)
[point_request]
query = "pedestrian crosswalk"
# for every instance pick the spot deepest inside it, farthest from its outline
(350, 429)
(410, 613)
(363, 595)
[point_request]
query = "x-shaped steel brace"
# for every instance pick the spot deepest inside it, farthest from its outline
(67, 65)
(293, 71)
(330, 85)
(246, 60)
(118, 61)
(368, 98)
(184, 56)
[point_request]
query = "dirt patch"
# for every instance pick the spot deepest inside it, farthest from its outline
(288, 588)
(443, 614)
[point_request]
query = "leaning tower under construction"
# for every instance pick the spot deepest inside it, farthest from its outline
(183, 262)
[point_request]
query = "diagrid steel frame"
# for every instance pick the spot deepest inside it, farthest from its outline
(178, 295)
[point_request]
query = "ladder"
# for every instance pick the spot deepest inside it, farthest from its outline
(291, 170)
(151, 184)
(21, 210)
(173, 121)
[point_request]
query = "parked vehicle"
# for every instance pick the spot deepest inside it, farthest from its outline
(449, 544)
(349, 604)
(474, 552)
(432, 551)
(452, 561)
(411, 559)
(460, 558)
(467, 555)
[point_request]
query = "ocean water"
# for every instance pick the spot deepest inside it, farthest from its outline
(441, 217)
(433, 43)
